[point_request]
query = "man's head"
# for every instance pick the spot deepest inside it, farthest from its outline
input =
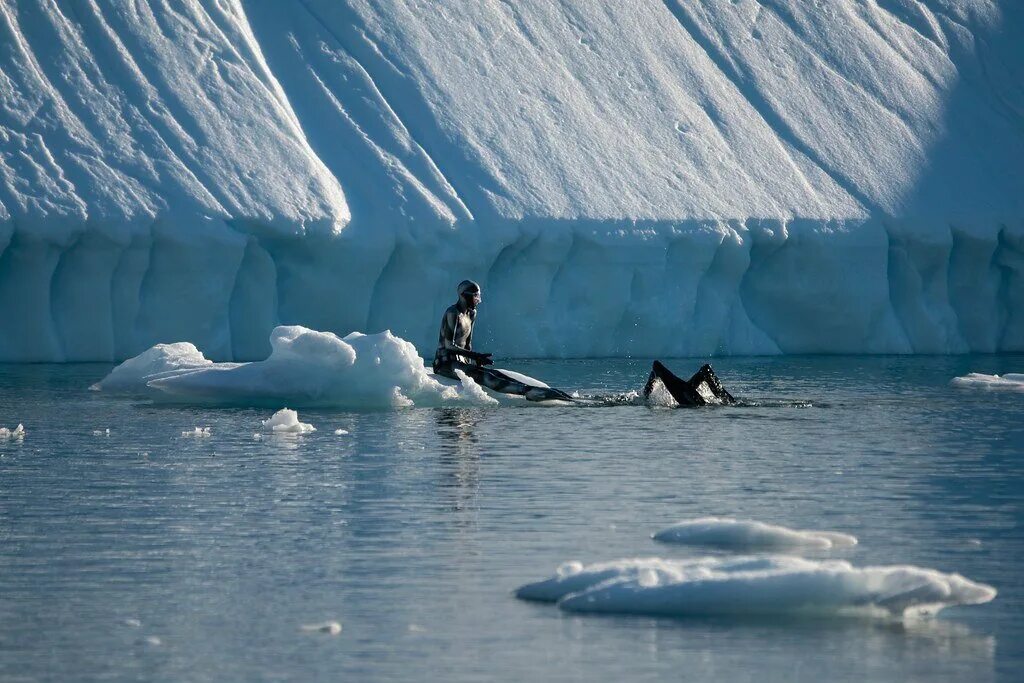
(469, 294)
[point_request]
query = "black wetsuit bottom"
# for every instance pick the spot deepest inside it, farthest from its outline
(702, 389)
(498, 381)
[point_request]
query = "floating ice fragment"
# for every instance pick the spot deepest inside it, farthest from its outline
(16, 434)
(101, 432)
(152, 640)
(197, 432)
(134, 623)
(286, 421)
(340, 432)
(724, 532)
(331, 627)
(977, 380)
(754, 586)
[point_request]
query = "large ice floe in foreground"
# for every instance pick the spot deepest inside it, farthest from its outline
(306, 368)
(650, 178)
(739, 586)
(740, 534)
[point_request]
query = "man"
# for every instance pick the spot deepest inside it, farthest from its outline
(455, 351)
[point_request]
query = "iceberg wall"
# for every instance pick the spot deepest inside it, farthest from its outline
(649, 178)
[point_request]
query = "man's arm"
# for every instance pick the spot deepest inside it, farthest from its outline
(450, 321)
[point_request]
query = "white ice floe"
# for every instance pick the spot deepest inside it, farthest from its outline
(977, 380)
(16, 434)
(330, 627)
(197, 432)
(162, 360)
(340, 432)
(286, 421)
(752, 586)
(101, 432)
(741, 534)
(305, 368)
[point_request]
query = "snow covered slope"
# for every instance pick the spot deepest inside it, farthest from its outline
(643, 178)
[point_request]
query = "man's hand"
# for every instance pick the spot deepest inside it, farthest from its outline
(481, 358)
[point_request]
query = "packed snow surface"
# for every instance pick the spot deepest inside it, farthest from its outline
(977, 380)
(649, 178)
(305, 368)
(753, 586)
(739, 534)
(286, 421)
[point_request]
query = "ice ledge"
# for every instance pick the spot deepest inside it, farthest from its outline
(552, 288)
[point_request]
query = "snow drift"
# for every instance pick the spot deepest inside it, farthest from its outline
(643, 178)
(753, 586)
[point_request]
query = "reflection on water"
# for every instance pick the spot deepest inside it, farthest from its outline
(459, 453)
(146, 555)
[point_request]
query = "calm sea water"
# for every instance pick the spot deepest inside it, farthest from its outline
(146, 555)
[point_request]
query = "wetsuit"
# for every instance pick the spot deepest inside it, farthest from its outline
(455, 352)
(704, 388)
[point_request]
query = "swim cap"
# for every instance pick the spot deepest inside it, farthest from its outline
(468, 286)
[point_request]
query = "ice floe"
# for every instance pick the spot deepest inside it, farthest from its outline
(305, 368)
(330, 627)
(741, 534)
(286, 421)
(977, 380)
(197, 433)
(160, 361)
(780, 585)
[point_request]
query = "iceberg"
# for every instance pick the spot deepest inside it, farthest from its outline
(751, 586)
(656, 179)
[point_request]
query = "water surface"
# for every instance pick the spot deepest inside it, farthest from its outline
(144, 554)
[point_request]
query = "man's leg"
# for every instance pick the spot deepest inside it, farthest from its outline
(496, 380)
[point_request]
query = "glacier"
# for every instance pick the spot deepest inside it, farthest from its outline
(653, 178)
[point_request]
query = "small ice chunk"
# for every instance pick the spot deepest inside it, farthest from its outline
(153, 640)
(286, 421)
(197, 432)
(134, 623)
(340, 432)
(756, 586)
(977, 380)
(330, 627)
(101, 432)
(724, 532)
(16, 434)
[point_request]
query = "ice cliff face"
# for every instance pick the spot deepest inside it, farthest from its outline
(643, 178)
